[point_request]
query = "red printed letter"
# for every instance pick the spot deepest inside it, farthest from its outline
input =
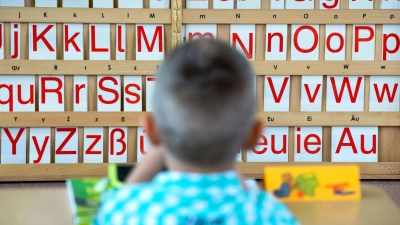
(89, 150)
(78, 87)
(351, 143)
(157, 35)
(335, 3)
(40, 150)
(1, 35)
(115, 92)
(142, 143)
(278, 98)
(264, 142)
(341, 42)
(60, 150)
(31, 95)
(270, 36)
(36, 38)
(345, 82)
(248, 53)
(15, 55)
(10, 96)
(198, 34)
(283, 150)
(385, 40)
(56, 90)
(93, 41)
(128, 92)
(120, 140)
(312, 98)
(70, 40)
(385, 89)
(12, 140)
(373, 148)
(296, 35)
(307, 143)
(357, 36)
(120, 49)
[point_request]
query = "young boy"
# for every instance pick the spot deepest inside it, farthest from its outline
(204, 112)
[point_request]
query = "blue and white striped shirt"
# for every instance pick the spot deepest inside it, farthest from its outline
(192, 198)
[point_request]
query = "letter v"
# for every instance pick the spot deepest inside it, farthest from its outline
(314, 96)
(278, 98)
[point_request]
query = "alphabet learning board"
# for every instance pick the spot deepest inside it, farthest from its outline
(76, 75)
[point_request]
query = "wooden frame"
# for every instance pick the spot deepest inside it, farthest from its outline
(51, 172)
(388, 166)
(277, 16)
(131, 119)
(89, 15)
(126, 67)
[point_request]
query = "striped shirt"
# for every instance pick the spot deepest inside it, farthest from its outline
(191, 198)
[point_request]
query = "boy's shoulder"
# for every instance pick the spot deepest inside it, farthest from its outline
(148, 200)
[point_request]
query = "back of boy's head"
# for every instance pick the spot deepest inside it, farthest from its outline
(204, 102)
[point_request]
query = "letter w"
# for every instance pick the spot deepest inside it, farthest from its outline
(157, 34)
(346, 82)
(387, 90)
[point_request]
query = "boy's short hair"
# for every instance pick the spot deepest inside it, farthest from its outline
(204, 104)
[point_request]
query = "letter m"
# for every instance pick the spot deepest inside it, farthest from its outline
(142, 36)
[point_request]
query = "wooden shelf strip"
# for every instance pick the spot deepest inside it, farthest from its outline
(131, 119)
(285, 16)
(136, 67)
(76, 67)
(70, 119)
(84, 15)
(46, 172)
(327, 67)
(331, 118)
(215, 16)
(367, 170)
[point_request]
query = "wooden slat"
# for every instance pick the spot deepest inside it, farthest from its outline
(46, 172)
(89, 67)
(326, 67)
(389, 144)
(104, 119)
(375, 169)
(265, 16)
(261, 67)
(85, 15)
(176, 6)
(380, 176)
(331, 118)
(69, 119)
(53, 172)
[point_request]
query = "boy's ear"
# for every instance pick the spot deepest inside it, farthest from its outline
(254, 135)
(149, 124)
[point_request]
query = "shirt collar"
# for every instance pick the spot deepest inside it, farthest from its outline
(202, 180)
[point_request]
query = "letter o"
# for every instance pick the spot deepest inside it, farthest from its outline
(295, 41)
(328, 42)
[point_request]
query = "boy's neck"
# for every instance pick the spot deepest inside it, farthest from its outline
(176, 165)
